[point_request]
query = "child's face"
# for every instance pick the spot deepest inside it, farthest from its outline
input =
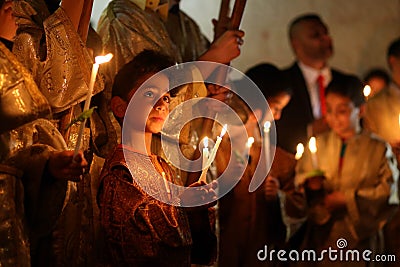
(277, 103)
(341, 115)
(151, 103)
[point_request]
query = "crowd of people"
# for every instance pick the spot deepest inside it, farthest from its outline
(118, 200)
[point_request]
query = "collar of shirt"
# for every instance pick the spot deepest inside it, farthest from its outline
(310, 76)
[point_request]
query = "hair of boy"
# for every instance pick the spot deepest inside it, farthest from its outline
(305, 17)
(269, 79)
(131, 75)
(394, 48)
(347, 87)
(379, 73)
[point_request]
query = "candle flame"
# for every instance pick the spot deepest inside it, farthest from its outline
(312, 145)
(367, 90)
(205, 141)
(267, 126)
(399, 118)
(250, 142)
(223, 131)
(103, 59)
(299, 151)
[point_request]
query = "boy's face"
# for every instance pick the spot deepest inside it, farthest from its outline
(341, 115)
(277, 103)
(151, 105)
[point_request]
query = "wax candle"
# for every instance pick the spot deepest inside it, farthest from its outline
(206, 152)
(98, 60)
(203, 176)
(249, 144)
(267, 144)
(312, 145)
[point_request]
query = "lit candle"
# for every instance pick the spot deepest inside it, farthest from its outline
(249, 144)
(267, 145)
(367, 91)
(98, 60)
(299, 151)
(312, 145)
(211, 158)
(206, 152)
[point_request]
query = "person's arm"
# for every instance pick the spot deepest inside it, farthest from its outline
(223, 50)
(74, 9)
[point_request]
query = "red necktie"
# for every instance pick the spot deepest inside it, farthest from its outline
(321, 87)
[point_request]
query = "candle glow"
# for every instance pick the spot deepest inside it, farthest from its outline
(312, 145)
(250, 142)
(367, 91)
(299, 151)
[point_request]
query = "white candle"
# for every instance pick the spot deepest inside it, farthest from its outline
(249, 144)
(206, 152)
(267, 144)
(299, 151)
(211, 158)
(312, 145)
(98, 60)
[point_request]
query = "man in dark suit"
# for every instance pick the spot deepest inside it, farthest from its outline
(304, 115)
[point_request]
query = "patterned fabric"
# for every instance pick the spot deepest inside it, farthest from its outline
(186, 35)
(21, 100)
(139, 229)
(51, 49)
(126, 30)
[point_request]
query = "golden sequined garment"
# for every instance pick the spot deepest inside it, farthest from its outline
(127, 29)
(186, 35)
(140, 230)
(26, 195)
(21, 100)
(51, 49)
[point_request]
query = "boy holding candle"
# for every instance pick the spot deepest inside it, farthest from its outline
(355, 196)
(138, 197)
(250, 220)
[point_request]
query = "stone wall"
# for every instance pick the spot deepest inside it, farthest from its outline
(361, 29)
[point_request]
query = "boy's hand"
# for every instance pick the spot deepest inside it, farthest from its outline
(271, 188)
(62, 165)
(335, 200)
(190, 198)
